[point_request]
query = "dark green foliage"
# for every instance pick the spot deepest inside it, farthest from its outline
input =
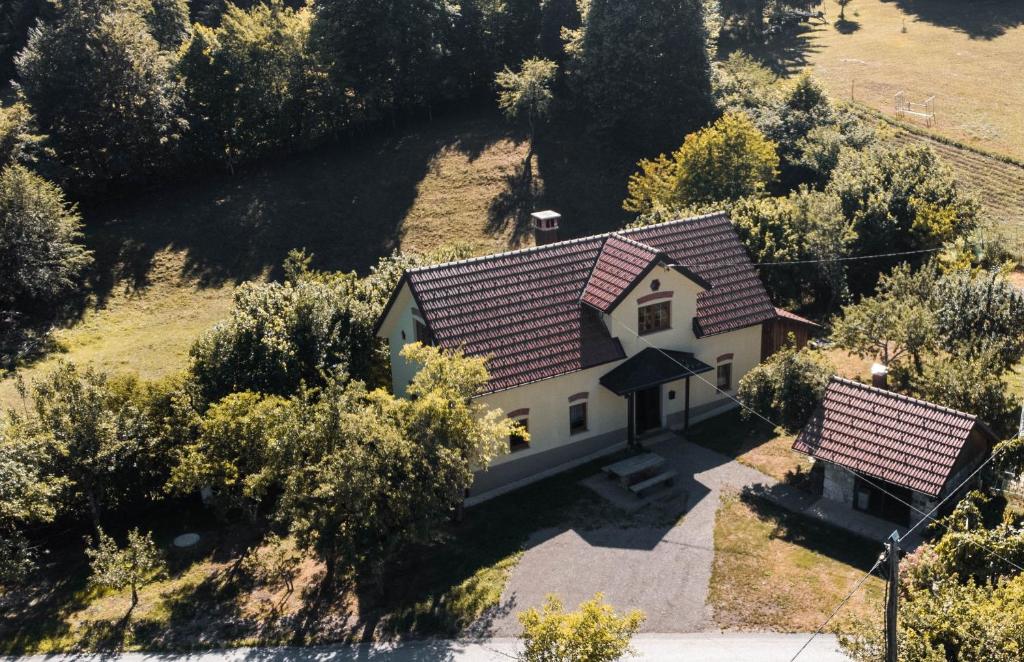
(251, 84)
(103, 90)
(41, 255)
(786, 388)
(16, 18)
(390, 54)
(977, 312)
(643, 71)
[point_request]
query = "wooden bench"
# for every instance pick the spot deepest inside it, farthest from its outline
(666, 478)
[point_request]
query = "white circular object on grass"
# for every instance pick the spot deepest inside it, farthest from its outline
(186, 540)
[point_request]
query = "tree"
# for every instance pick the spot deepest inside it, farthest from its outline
(41, 254)
(973, 384)
(275, 563)
(977, 312)
(133, 566)
(102, 435)
(724, 161)
(527, 92)
(642, 70)
(787, 387)
(594, 633)
(887, 328)
(103, 90)
(389, 53)
(370, 474)
(251, 83)
(842, 9)
(232, 453)
(168, 21)
(29, 494)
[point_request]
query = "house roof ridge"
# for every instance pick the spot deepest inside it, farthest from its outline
(900, 396)
(622, 234)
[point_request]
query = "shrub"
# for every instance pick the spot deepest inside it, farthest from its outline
(594, 633)
(786, 388)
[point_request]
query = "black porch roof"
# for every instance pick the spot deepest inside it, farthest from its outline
(651, 367)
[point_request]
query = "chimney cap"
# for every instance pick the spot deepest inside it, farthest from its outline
(546, 215)
(879, 369)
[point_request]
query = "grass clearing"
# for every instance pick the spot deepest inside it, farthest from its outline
(207, 601)
(753, 443)
(967, 54)
(775, 570)
(167, 261)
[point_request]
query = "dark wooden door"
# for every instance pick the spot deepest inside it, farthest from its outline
(648, 409)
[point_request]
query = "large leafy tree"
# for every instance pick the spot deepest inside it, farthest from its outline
(41, 254)
(722, 162)
(251, 83)
(527, 93)
(103, 89)
(370, 474)
(643, 70)
(387, 53)
(29, 495)
(103, 439)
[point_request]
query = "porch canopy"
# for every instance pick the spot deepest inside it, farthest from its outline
(647, 369)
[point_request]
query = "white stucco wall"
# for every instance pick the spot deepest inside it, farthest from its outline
(400, 320)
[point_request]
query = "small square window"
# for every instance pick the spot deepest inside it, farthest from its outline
(656, 317)
(725, 377)
(516, 440)
(578, 418)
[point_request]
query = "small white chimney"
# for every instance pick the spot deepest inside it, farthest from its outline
(545, 226)
(879, 375)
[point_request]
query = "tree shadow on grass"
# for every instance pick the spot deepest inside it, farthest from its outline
(812, 534)
(510, 210)
(345, 203)
(785, 52)
(846, 26)
(978, 20)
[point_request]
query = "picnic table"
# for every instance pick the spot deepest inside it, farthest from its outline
(626, 471)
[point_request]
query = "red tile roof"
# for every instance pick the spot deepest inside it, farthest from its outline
(710, 247)
(901, 440)
(620, 264)
(523, 308)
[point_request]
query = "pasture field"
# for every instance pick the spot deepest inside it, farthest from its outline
(969, 55)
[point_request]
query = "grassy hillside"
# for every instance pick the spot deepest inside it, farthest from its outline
(967, 54)
(167, 262)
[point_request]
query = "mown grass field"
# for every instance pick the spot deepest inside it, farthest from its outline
(969, 55)
(168, 261)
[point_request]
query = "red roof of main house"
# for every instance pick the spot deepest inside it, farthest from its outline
(901, 440)
(525, 308)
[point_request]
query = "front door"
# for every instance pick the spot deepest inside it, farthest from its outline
(648, 409)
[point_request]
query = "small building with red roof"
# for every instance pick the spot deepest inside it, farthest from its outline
(891, 455)
(596, 341)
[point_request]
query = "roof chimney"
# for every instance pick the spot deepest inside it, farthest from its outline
(545, 226)
(879, 376)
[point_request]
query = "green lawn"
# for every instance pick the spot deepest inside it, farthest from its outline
(167, 261)
(775, 570)
(206, 602)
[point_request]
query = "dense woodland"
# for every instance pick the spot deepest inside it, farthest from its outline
(283, 410)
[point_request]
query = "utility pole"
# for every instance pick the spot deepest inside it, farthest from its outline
(891, 607)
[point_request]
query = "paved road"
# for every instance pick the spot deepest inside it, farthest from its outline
(709, 647)
(662, 567)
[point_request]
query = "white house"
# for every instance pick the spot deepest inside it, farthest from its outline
(596, 341)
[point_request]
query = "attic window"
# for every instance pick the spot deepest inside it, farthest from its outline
(655, 317)
(423, 334)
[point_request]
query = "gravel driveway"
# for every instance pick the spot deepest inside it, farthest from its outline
(661, 564)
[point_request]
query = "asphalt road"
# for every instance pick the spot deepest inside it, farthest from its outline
(702, 647)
